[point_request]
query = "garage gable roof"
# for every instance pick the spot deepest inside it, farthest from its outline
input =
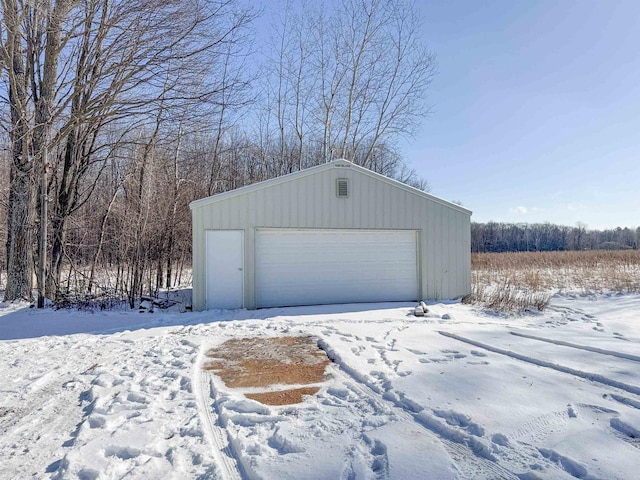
(318, 168)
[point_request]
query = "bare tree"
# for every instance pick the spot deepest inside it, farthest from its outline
(348, 82)
(118, 64)
(21, 209)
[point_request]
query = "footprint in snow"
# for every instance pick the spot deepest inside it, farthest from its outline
(500, 439)
(136, 398)
(378, 450)
(96, 421)
(435, 360)
(451, 354)
(341, 393)
(416, 352)
(357, 350)
(461, 420)
(476, 353)
(121, 452)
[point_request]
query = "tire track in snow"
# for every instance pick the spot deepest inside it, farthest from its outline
(594, 377)
(471, 465)
(466, 450)
(217, 437)
(540, 426)
(626, 401)
(625, 356)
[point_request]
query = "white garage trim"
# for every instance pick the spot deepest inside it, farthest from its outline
(323, 266)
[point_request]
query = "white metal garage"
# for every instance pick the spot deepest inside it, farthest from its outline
(312, 266)
(334, 233)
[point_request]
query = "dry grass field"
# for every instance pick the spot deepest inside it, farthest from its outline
(527, 280)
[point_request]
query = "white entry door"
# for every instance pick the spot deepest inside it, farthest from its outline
(311, 267)
(225, 275)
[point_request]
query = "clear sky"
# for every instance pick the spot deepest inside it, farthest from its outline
(536, 110)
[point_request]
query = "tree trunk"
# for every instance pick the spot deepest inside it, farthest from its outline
(58, 228)
(20, 236)
(20, 218)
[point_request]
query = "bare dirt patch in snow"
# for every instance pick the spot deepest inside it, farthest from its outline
(283, 397)
(266, 363)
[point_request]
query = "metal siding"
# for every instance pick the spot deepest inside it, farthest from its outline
(259, 205)
(310, 202)
(197, 281)
(420, 263)
(399, 203)
(453, 256)
(313, 207)
(249, 268)
(369, 208)
(224, 216)
(324, 190)
(334, 203)
(391, 202)
(434, 269)
(250, 212)
(453, 251)
(352, 218)
(425, 214)
(466, 251)
(438, 246)
(447, 260)
(292, 199)
(409, 206)
(460, 257)
(432, 228)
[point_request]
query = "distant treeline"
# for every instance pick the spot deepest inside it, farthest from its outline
(523, 237)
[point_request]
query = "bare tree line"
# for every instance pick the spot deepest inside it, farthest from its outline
(119, 113)
(539, 237)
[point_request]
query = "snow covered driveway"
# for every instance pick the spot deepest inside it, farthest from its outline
(471, 395)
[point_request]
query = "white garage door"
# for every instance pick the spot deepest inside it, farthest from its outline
(312, 267)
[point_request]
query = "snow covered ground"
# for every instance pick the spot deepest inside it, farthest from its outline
(460, 393)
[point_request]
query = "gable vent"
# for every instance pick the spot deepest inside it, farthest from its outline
(342, 187)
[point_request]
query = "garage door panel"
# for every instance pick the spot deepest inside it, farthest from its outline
(303, 267)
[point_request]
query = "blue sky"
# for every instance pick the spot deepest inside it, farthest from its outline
(536, 110)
